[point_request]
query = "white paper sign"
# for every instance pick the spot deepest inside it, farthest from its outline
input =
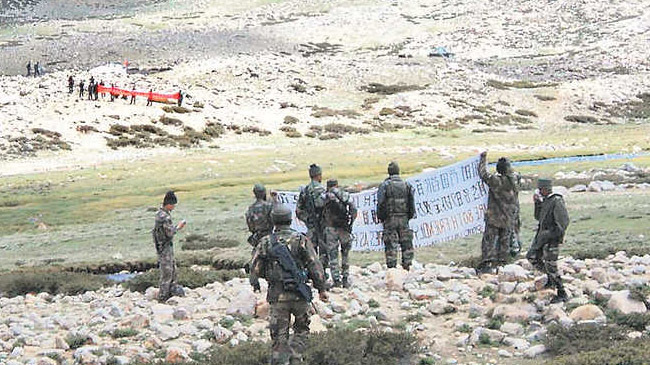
(450, 203)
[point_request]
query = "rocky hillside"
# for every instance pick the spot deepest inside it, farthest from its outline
(458, 316)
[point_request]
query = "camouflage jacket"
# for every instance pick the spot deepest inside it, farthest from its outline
(258, 217)
(303, 253)
(503, 198)
(310, 204)
(338, 210)
(163, 229)
(395, 198)
(553, 219)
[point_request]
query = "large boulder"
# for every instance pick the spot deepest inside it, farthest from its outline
(535, 351)
(586, 313)
(621, 301)
(395, 279)
(243, 304)
(176, 355)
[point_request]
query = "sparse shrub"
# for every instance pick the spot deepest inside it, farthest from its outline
(186, 277)
(118, 129)
(488, 292)
(636, 321)
(581, 338)
(75, 340)
(227, 322)
(484, 339)
(585, 119)
(381, 89)
(287, 129)
(195, 242)
(465, 328)
(21, 283)
(630, 352)
(47, 133)
(526, 113)
(544, 97)
(290, 120)
(372, 303)
(164, 119)
(495, 322)
(328, 136)
(294, 134)
(124, 332)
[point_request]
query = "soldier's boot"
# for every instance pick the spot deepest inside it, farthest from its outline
(550, 284)
(346, 283)
(561, 296)
(337, 283)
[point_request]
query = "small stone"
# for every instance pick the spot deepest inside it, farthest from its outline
(175, 355)
(504, 353)
(180, 313)
(375, 267)
(621, 301)
(513, 272)
(243, 304)
(395, 279)
(60, 343)
(316, 324)
(511, 328)
(535, 351)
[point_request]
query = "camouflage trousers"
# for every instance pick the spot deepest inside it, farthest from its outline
(544, 258)
(315, 235)
(397, 234)
(288, 349)
(495, 246)
(167, 266)
(335, 238)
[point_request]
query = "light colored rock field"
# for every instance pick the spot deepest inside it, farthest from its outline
(458, 316)
(293, 58)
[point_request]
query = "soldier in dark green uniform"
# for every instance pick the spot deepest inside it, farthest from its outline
(258, 216)
(163, 235)
(553, 218)
(310, 208)
(502, 216)
(395, 207)
(339, 213)
(285, 295)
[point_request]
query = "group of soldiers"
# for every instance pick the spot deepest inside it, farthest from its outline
(38, 70)
(502, 224)
(288, 260)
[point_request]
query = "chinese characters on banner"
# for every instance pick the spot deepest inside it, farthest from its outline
(450, 203)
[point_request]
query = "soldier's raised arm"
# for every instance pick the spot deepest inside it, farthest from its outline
(488, 178)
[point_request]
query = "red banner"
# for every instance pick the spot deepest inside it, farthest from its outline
(154, 96)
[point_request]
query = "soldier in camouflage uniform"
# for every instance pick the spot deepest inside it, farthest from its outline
(339, 213)
(395, 207)
(284, 301)
(258, 216)
(310, 208)
(502, 216)
(163, 235)
(553, 218)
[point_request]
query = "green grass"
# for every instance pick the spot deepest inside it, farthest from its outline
(94, 214)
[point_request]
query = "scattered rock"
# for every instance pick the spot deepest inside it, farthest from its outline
(621, 301)
(586, 312)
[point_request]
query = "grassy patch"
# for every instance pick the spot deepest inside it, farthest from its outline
(124, 332)
(186, 277)
(195, 242)
(21, 283)
(581, 338)
(381, 89)
(518, 84)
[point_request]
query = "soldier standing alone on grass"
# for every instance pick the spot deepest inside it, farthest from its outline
(163, 235)
(258, 216)
(339, 213)
(286, 259)
(553, 218)
(502, 217)
(395, 207)
(310, 208)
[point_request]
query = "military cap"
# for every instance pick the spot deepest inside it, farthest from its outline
(393, 168)
(544, 183)
(170, 198)
(314, 170)
(332, 183)
(259, 190)
(281, 214)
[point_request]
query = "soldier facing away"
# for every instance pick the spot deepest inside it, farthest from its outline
(553, 218)
(258, 216)
(286, 259)
(163, 235)
(339, 213)
(502, 217)
(395, 207)
(310, 208)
